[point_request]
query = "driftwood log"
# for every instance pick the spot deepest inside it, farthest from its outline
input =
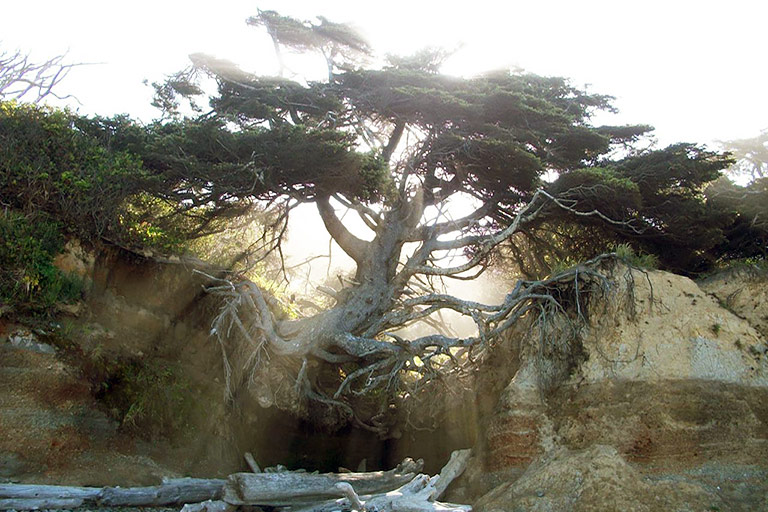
(290, 488)
(171, 492)
(399, 489)
(418, 495)
(383, 491)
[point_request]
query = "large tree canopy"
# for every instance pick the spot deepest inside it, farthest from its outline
(395, 144)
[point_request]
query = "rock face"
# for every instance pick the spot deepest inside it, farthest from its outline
(661, 403)
(744, 292)
(677, 332)
(595, 479)
(665, 376)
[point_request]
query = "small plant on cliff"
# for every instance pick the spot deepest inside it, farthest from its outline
(626, 254)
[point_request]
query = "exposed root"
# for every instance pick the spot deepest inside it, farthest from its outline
(345, 372)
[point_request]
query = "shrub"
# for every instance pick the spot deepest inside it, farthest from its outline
(28, 279)
(84, 173)
(627, 254)
(49, 164)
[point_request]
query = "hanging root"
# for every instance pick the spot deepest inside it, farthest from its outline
(245, 330)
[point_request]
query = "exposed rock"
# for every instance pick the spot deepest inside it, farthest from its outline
(76, 260)
(663, 374)
(136, 311)
(672, 423)
(52, 432)
(26, 340)
(676, 332)
(519, 431)
(595, 479)
(744, 292)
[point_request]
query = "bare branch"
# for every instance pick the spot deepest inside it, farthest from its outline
(369, 216)
(19, 77)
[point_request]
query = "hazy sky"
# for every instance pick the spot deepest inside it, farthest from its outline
(692, 69)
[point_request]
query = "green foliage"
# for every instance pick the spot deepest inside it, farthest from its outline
(599, 188)
(624, 253)
(113, 179)
(329, 38)
(557, 266)
(746, 212)
(286, 30)
(48, 164)
(628, 255)
(498, 133)
(28, 279)
(377, 184)
(493, 137)
(148, 222)
(656, 203)
(756, 265)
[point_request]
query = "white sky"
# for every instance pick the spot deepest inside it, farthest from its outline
(693, 69)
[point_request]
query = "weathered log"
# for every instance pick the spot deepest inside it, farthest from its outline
(32, 491)
(292, 488)
(305, 492)
(208, 506)
(452, 470)
(348, 492)
(39, 503)
(171, 492)
(418, 495)
(279, 489)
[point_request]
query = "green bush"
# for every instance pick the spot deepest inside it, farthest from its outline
(86, 174)
(49, 164)
(28, 279)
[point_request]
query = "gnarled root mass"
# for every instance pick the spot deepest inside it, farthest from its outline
(297, 363)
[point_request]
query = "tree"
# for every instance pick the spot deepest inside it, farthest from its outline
(751, 155)
(746, 211)
(396, 145)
